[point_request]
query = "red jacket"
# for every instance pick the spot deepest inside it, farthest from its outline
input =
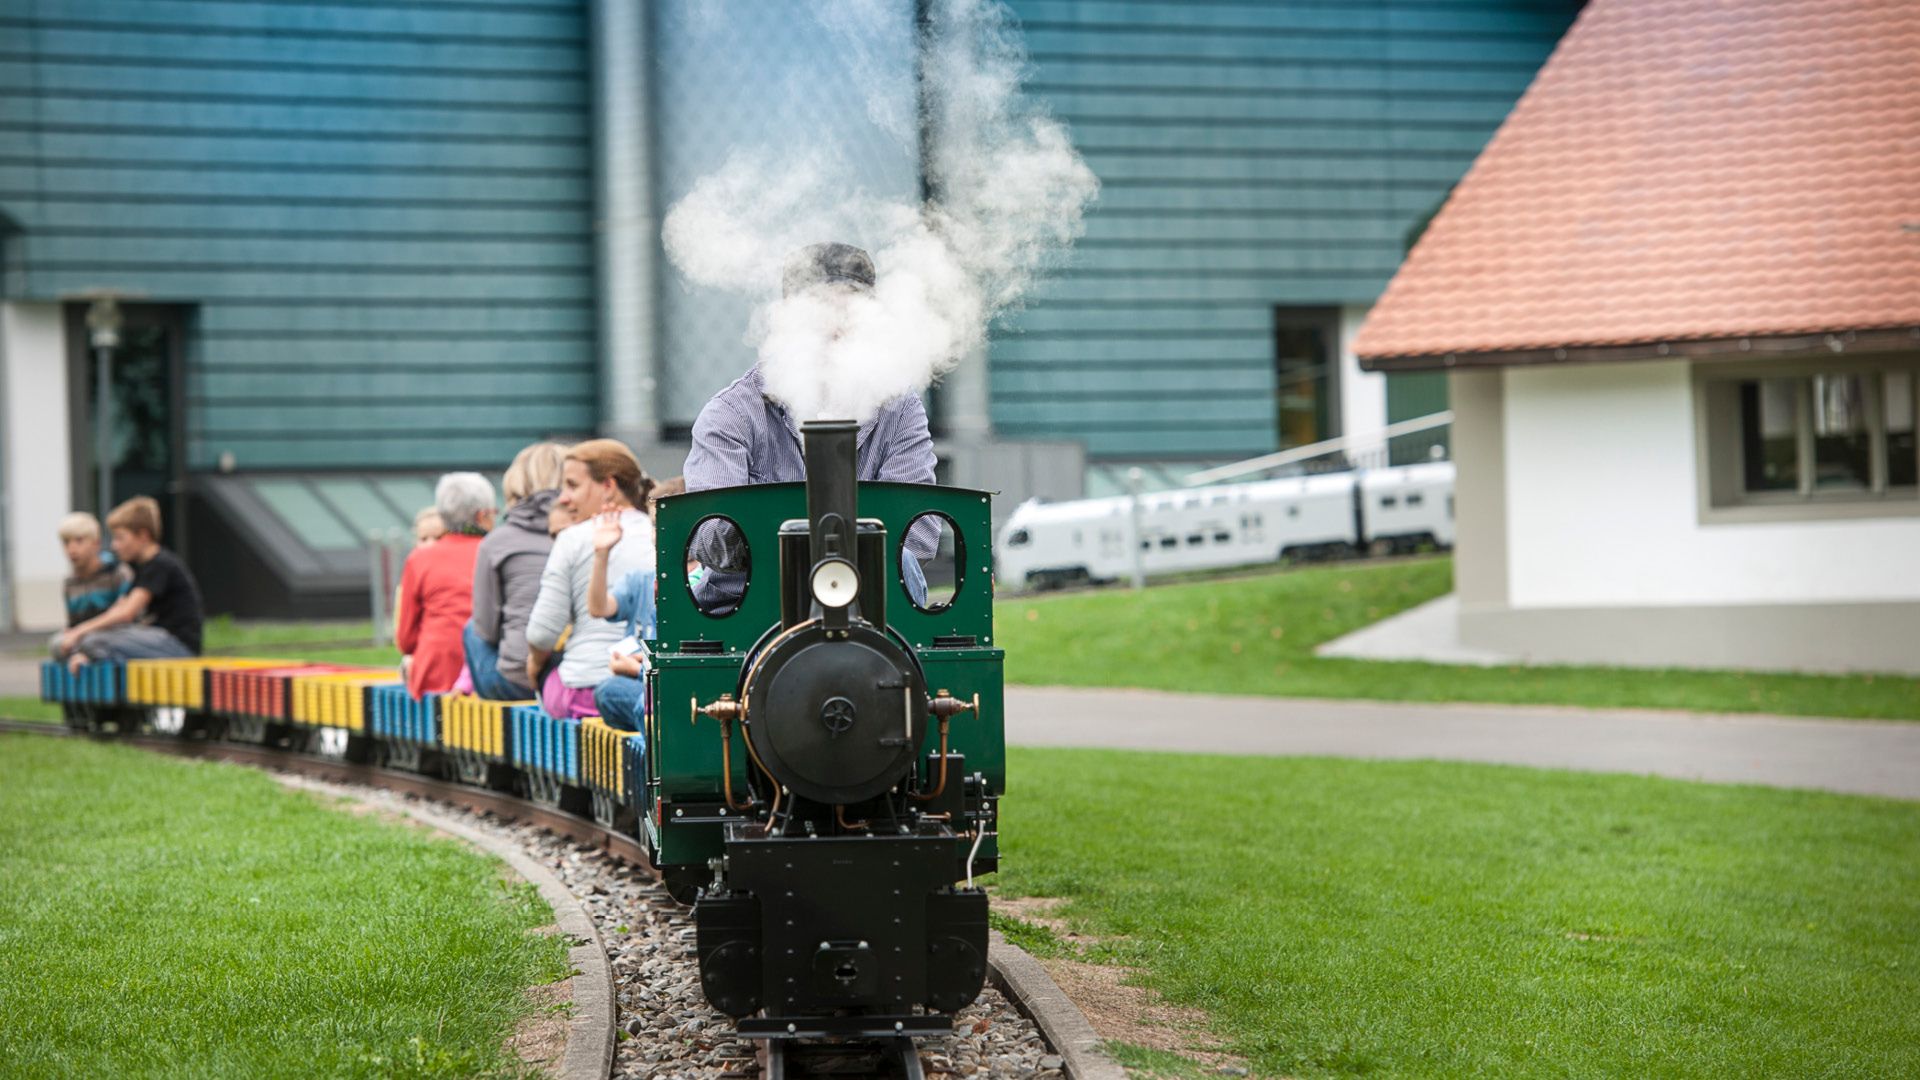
(436, 599)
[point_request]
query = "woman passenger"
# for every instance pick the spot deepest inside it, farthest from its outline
(506, 575)
(436, 586)
(600, 474)
(629, 601)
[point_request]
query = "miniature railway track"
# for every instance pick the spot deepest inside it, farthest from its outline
(580, 830)
(888, 1059)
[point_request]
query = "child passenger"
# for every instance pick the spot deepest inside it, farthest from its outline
(98, 578)
(620, 698)
(159, 616)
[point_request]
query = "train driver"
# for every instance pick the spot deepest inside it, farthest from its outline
(746, 436)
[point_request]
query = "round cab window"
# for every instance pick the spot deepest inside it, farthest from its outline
(933, 562)
(719, 566)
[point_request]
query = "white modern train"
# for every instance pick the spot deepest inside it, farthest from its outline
(1404, 508)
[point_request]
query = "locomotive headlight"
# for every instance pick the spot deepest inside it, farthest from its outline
(835, 583)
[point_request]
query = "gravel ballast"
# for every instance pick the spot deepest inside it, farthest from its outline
(666, 1028)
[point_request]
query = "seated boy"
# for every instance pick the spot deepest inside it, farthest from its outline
(620, 699)
(98, 578)
(159, 617)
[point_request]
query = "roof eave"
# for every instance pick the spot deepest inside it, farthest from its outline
(1878, 339)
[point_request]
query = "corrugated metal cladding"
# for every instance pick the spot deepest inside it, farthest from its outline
(381, 211)
(1253, 154)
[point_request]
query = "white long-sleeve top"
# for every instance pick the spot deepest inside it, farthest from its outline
(563, 596)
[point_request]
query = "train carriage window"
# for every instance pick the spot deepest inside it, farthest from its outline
(932, 547)
(1196, 539)
(1169, 541)
(1414, 499)
(1388, 502)
(1223, 537)
(1019, 538)
(718, 565)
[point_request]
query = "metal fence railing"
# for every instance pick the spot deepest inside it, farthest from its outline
(386, 553)
(1369, 450)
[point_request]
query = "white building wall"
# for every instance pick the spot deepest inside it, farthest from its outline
(1602, 507)
(38, 481)
(1363, 394)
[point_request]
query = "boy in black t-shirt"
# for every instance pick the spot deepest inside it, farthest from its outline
(159, 617)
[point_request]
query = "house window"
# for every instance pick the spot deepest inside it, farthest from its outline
(1814, 439)
(1306, 359)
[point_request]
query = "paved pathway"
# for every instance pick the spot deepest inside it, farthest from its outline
(1854, 756)
(19, 676)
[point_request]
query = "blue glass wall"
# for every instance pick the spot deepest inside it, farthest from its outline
(751, 76)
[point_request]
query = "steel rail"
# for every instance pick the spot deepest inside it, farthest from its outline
(580, 830)
(1031, 992)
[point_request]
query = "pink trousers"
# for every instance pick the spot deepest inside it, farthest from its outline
(565, 702)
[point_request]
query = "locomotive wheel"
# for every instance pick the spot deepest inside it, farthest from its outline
(361, 750)
(471, 769)
(603, 808)
(543, 789)
(684, 881)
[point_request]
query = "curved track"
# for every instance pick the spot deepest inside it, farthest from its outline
(580, 830)
(1030, 991)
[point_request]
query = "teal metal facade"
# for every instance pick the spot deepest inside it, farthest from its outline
(377, 216)
(1252, 154)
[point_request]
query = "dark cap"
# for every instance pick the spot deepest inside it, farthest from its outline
(823, 264)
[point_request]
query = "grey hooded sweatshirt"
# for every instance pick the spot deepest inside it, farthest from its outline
(506, 579)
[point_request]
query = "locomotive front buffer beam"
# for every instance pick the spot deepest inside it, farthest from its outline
(841, 936)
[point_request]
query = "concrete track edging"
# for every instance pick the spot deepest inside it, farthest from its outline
(1066, 1028)
(590, 1037)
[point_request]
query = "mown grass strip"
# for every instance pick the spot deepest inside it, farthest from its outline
(1437, 920)
(169, 918)
(29, 708)
(1256, 635)
(226, 634)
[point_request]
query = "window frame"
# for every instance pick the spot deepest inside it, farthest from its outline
(1719, 453)
(1325, 372)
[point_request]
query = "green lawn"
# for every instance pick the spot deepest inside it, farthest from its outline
(29, 708)
(1433, 920)
(168, 918)
(226, 635)
(1256, 635)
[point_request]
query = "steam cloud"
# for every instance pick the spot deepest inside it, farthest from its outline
(1006, 193)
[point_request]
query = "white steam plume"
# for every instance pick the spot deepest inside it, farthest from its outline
(1007, 193)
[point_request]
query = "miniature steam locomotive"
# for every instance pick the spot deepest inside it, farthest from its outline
(821, 765)
(837, 865)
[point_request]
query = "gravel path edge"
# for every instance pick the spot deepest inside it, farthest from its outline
(590, 1037)
(1025, 983)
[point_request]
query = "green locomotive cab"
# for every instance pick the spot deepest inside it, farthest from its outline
(698, 767)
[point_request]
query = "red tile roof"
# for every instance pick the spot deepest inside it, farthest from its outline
(1683, 170)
